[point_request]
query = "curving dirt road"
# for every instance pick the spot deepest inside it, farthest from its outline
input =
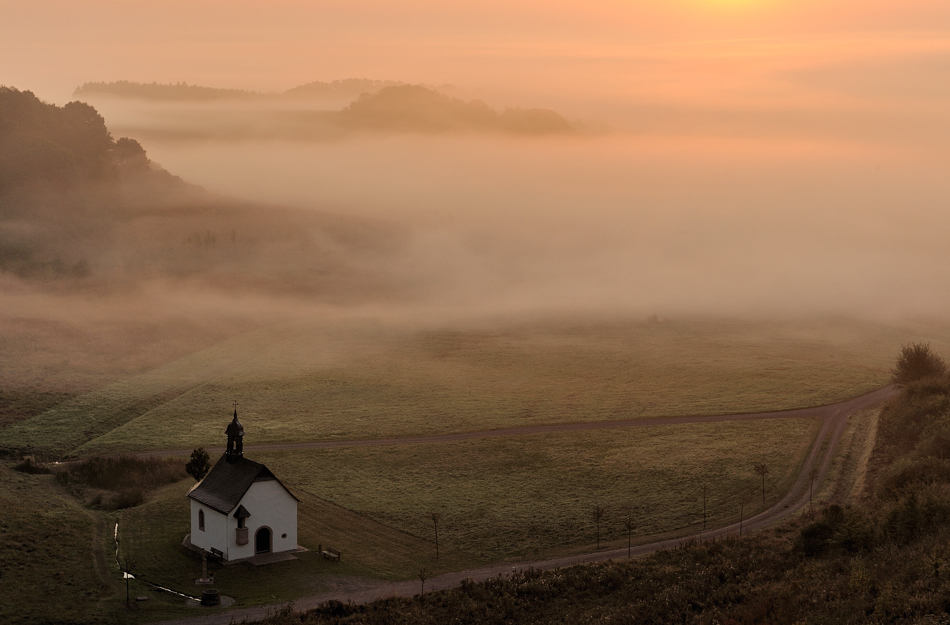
(834, 420)
(822, 412)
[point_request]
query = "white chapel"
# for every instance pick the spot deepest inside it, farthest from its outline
(240, 509)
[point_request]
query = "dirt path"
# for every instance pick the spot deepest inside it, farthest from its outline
(821, 412)
(834, 420)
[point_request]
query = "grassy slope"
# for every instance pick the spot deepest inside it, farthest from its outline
(48, 551)
(70, 424)
(45, 363)
(310, 382)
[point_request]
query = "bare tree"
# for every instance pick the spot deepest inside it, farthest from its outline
(597, 514)
(628, 525)
(741, 516)
(705, 488)
(435, 516)
(763, 470)
(423, 575)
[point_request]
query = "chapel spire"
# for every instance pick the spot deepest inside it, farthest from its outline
(235, 432)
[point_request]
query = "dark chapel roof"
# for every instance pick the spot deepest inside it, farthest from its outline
(227, 482)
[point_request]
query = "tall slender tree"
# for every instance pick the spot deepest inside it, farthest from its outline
(628, 525)
(705, 488)
(763, 470)
(741, 516)
(597, 514)
(423, 574)
(812, 476)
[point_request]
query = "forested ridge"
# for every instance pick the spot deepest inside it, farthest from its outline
(63, 178)
(46, 146)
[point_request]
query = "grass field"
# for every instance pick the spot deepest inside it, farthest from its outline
(530, 496)
(510, 498)
(513, 499)
(53, 352)
(307, 381)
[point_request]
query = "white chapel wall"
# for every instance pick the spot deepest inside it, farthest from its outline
(215, 534)
(272, 506)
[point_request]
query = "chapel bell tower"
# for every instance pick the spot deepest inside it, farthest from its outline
(235, 434)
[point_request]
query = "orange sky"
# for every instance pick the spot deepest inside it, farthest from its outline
(549, 49)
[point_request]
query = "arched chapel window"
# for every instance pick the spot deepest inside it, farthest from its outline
(201, 520)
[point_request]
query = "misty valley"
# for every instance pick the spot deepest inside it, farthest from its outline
(511, 364)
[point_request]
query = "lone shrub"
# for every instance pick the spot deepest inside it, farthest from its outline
(915, 362)
(199, 464)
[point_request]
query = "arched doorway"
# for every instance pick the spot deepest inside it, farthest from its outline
(262, 540)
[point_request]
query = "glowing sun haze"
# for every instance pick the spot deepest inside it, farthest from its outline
(53, 45)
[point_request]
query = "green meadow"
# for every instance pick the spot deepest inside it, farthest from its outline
(512, 498)
(307, 381)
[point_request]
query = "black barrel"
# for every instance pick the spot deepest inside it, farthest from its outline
(210, 597)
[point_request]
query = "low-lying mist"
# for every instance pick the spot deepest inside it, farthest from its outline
(622, 223)
(714, 177)
(765, 206)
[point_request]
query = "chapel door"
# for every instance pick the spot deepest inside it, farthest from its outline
(262, 540)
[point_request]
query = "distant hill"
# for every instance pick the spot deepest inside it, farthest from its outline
(350, 87)
(375, 105)
(164, 92)
(414, 108)
(183, 92)
(393, 108)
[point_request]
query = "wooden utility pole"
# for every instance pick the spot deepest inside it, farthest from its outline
(435, 521)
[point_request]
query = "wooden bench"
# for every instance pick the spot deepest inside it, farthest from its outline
(331, 554)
